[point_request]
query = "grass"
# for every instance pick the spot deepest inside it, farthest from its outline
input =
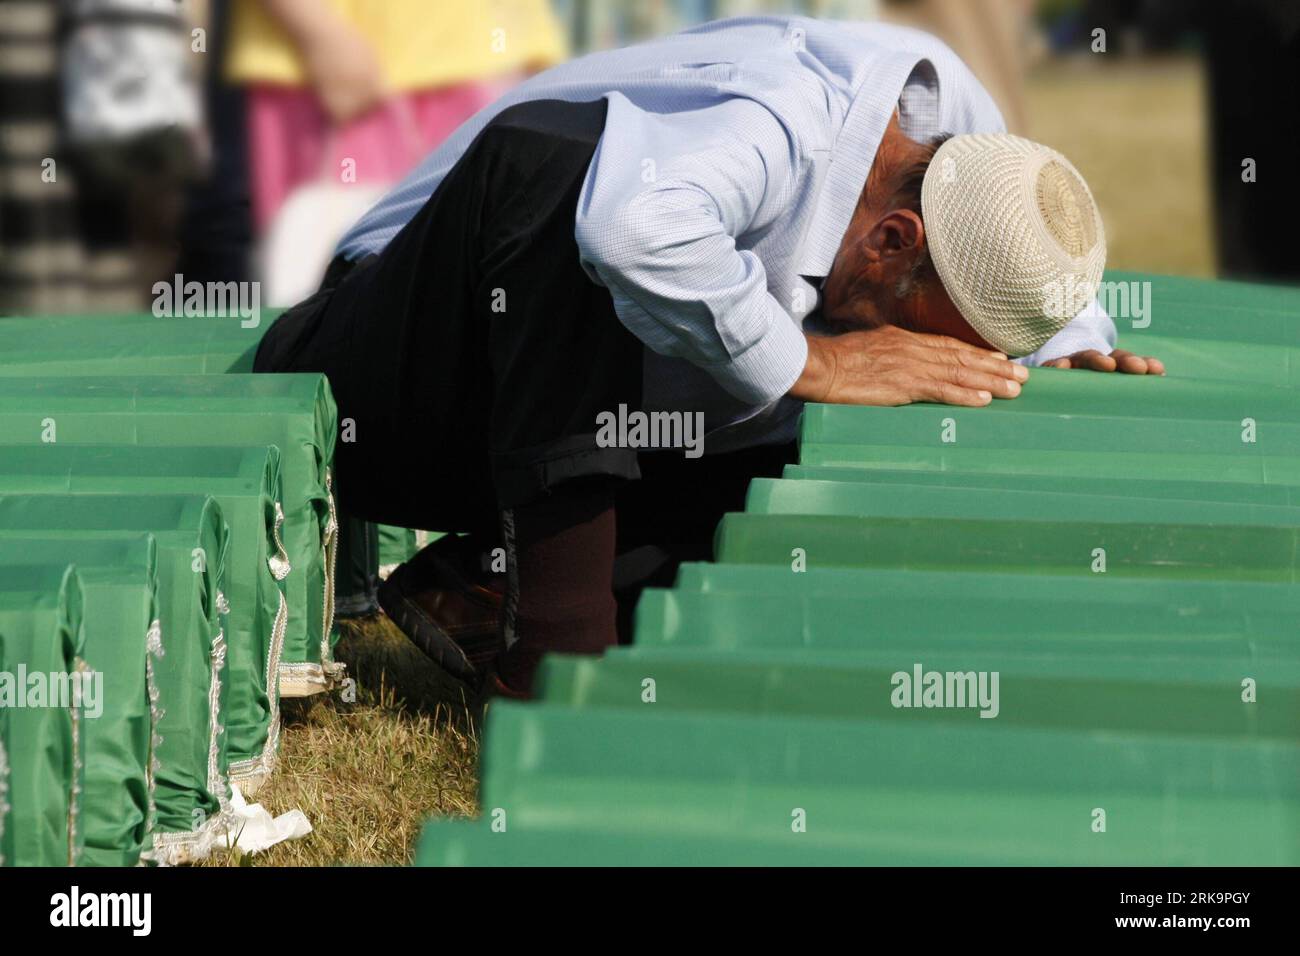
(368, 774)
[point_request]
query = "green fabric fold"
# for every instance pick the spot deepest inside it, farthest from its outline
(120, 601)
(245, 481)
(41, 720)
(192, 793)
(296, 413)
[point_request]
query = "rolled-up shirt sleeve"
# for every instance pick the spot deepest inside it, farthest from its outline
(663, 201)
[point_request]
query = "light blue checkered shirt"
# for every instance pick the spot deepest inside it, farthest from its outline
(732, 159)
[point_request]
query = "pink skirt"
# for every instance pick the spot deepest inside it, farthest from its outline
(291, 141)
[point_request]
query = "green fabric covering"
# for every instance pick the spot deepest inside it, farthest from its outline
(192, 539)
(894, 500)
(395, 544)
(246, 484)
(120, 631)
(1200, 552)
(454, 842)
(1075, 425)
(883, 792)
(1144, 688)
(40, 634)
(1075, 405)
(1277, 366)
(294, 412)
(1164, 656)
(840, 610)
(1215, 305)
(131, 344)
(1215, 330)
(1217, 491)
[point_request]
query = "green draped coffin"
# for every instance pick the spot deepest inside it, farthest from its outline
(127, 344)
(191, 782)
(293, 412)
(246, 484)
(42, 724)
(122, 637)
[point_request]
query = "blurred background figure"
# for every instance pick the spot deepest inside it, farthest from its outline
(345, 96)
(215, 237)
(40, 253)
(100, 132)
(1253, 54)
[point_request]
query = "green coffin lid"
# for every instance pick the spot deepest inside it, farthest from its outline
(1069, 425)
(1227, 331)
(894, 500)
(122, 637)
(446, 842)
(981, 792)
(975, 482)
(191, 789)
(754, 609)
(395, 544)
(1170, 551)
(1258, 363)
(1240, 311)
(1115, 619)
(131, 344)
(1147, 690)
(246, 484)
(294, 412)
(41, 736)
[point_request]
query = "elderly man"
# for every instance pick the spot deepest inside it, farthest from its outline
(719, 225)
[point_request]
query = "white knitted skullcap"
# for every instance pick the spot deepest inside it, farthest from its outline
(1015, 237)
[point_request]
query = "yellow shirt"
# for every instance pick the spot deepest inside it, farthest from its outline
(423, 44)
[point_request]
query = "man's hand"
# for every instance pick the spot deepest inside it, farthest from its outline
(1117, 361)
(892, 366)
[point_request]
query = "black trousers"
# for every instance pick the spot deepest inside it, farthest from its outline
(471, 358)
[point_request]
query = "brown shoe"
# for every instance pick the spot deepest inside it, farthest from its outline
(448, 607)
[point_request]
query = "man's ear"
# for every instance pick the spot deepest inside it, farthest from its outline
(899, 232)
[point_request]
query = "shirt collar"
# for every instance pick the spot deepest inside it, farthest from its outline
(845, 174)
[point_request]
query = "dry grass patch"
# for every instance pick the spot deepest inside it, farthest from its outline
(369, 773)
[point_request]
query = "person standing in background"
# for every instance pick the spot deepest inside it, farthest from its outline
(101, 132)
(41, 257)
(376, 83)
(1253, 60)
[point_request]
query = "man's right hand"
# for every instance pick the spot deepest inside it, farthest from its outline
(892, 366)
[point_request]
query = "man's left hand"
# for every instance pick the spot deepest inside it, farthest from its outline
(1117, 361)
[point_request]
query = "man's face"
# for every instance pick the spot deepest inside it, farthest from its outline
(862, 290)
(884, 252)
